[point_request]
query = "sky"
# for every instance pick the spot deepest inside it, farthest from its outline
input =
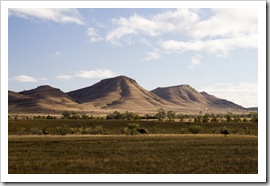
(212, 50)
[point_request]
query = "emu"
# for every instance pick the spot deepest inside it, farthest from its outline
(142, 131)
(225, 132)
(44, 131)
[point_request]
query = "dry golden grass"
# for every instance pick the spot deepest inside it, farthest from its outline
(151, 154)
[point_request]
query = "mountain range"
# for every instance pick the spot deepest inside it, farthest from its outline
(119, 93)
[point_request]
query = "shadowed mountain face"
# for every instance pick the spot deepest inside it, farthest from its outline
(120, 93)
(185, 95)
(19, 100)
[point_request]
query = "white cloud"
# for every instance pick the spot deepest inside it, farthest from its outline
(245, 94)
(195, 61)
(224, 31)
(98, 73)
(219, 47)
(63, 77)
(93, 35)
(170, 21)
(178, 20)
(152, 56)
(227, 23)
(25, 79)
(58, 15)
(114, 35)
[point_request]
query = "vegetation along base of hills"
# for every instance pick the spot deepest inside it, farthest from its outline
(117, 127)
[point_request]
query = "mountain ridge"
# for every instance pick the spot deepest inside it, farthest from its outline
(118, 93)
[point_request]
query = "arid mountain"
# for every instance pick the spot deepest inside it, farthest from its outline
(18, 100)
(42, 98)
(185, 95)
(120, 93)
(220, 103)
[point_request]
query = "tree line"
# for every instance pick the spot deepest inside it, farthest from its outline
(161, 115)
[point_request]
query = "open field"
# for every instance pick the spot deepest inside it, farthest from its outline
(157, 154)
(100, 146)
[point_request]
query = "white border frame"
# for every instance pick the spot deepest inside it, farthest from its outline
(260, 177)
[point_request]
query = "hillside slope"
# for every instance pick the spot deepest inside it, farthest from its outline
(186, 96)
(120, 93)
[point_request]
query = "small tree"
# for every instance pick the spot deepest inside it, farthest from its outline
(66, 115)
(254, 117)
(214, 119)
(229, 117)
(181, 117)
(206, 118)
(171, 115)
(199, 119)
(161, 114)
(115, 115)
(85, 116)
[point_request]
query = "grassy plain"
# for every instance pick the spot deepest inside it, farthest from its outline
(168, 148)
(151, 154)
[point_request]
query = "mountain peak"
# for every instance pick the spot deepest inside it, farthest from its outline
(118, 78)
(45, 87)
(121, 93)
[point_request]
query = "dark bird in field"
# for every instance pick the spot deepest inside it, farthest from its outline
(142, 131)
(45, 131)
(225, 131)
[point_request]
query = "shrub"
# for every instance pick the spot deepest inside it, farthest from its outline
(131, 128)
(245, 120)
(62, 130)
(229, 117)
(20, 130)
(73, 130)
(85, 130)
(36, 131)
(98, 130)
(247, 131)
(50, 117)
(195, 129)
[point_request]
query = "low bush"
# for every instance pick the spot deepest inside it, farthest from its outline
(36, 131)
(195, 129)
(20, 130)
(98, 130)
(63, 130)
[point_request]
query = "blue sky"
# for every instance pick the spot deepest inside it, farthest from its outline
(212, 50)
